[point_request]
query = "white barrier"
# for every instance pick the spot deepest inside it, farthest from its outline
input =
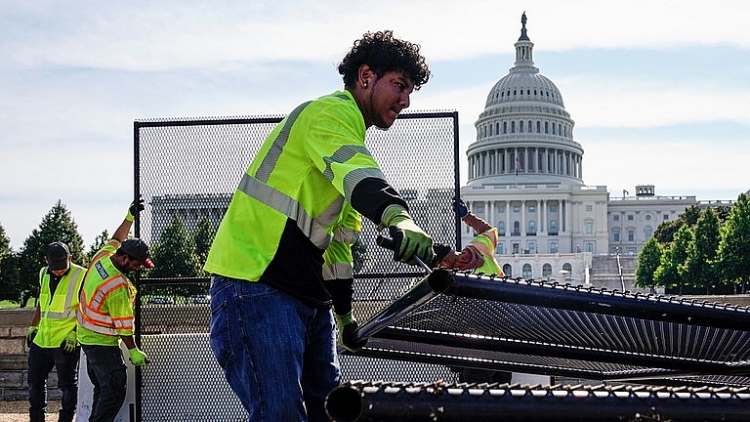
(86, 391)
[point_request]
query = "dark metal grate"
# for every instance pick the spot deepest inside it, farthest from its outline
(188, 169)
(563, 330)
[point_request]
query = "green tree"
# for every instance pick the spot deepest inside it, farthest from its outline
(723, 211)
(203, 236)
(57, 225)
(174, 256)
(10, 282)
(648, 261)
(691, 215)
(672, 271)
(734, 247)
(702, 263)
(665, 232)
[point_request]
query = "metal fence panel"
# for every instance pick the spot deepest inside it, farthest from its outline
(187, 170)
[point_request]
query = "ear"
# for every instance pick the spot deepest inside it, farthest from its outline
(365, 76)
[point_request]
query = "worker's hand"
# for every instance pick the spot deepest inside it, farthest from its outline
(70, 343)
(134, 209)
(410, 240)
(31, 334)
(460, 208)
(138, 357)
(347, 326)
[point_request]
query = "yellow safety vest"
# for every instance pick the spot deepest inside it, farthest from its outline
(105, 309)
(485, 243)
(58, 308)
(296, 186)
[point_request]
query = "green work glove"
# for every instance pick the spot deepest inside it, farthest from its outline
(134, 209)
(410, 239)
(31, 334)
(138, 357)
(347, 326)
(70, 343)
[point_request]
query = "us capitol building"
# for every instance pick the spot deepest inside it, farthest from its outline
(525, 177)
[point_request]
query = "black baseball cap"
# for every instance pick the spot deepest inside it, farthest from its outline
(57, 256)
(137, 249)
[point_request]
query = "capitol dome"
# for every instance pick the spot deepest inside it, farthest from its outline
(524, 134)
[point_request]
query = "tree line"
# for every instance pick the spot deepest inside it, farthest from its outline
(702, 252)
(176, 253)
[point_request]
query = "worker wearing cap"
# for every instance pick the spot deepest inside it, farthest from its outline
(105, 316)
(52, 334)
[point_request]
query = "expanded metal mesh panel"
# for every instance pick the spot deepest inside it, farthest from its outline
(187, 171)
(537, 327)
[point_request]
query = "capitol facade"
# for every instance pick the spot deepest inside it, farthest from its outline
(525, 177)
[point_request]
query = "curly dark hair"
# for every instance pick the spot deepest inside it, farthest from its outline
(384, 53)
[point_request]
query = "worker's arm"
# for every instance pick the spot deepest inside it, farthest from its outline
(121, 233)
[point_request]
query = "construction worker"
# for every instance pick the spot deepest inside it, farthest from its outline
(105, 316)
(338, 275)
(479, 255)
(52, 334)
(267, 255)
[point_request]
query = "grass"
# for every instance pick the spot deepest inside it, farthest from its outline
(7, 304)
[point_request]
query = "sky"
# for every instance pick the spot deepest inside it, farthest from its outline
(659, 90)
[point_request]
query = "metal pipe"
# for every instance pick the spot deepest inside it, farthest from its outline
(462, 403)
(434, 284)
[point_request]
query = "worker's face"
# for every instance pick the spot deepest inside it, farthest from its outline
(129, 264)
(60, 273)
(388, 95)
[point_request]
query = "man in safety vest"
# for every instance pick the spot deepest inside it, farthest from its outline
(267, 255)
(52, 334)
(105, 316)
(479, 255)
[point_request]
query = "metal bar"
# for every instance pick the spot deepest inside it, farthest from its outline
(434, 284)
(462, 403)
(550, 295)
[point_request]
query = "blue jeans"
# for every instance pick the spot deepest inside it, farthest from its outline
(41, 361)
(278, 354)
(109, 376)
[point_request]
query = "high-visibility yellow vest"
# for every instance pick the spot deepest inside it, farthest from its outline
(296, 186)
(338, 259)
(105, 308)
(58, 308)
(485, 243)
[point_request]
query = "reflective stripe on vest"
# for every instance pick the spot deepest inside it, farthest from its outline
(485, 244)
(314, 228)
(338, 271)
(89, 315)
